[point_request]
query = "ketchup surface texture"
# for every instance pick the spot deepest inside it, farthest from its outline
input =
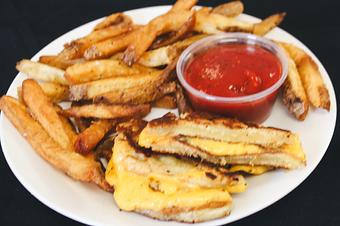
(233, 70)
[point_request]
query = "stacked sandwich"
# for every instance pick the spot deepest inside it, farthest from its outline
(185, 168)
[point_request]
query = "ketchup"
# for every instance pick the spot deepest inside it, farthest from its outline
(234, 70)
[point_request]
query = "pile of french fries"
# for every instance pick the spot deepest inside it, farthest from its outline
(120, 71)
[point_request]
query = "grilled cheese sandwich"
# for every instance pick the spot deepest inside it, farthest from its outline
(223, 141)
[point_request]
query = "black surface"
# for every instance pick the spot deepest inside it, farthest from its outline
(27, 26)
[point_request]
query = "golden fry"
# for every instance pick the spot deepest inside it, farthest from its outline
(69, 162)
(103, 111)
(183, 5)
(268, 24)
(57, 62)
(90, 137)
(212, 23)
(183, 104)
(82, 124)
(293, 93)
(56, 92)
(315, 88)
(44, 112)
(230, 9)
(115, 19)
(42, 72)
(100, 69)
(165, 55)
(167, 101)
(111, 46)
(92, 89)
(170, 21)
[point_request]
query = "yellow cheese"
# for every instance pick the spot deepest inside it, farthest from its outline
(158, 191)
(220, 148)
(255, 170)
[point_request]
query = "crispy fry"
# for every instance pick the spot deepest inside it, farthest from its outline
(57, 62)
(100, 69)
(316, 90)
(183, 5)
(174, 36)
(183, 104)
(69, 162)
(143, 93)
(56, 92)
(268, 24)
(168, 101)
(310, 75)
(170, 21)
(103, 111)
(293, 93)
(114, 19)
(91, 136)
(136, 95)
(230, 9)
(212, 23)
(92, 89)
(43, 111)
(165, 55)
(67, 125)
(111, 46)
(41, 72)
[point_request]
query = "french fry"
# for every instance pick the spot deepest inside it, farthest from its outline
(145, 92)
(315, 88)
(136, 95)
(183, 104)
(183, 5)
(167, 101)
(44, 112)
(101, 69)
(230, 9)
(90, 137)
(293, 93)
(114, 19)
(69, 162)
(55, 92)
(92, 89)
(212, 23)
(165, 55)
(42, 72)
(103, 111)
(173, 36)
(268, 24)
(170, 21)
(67, 125)
(111, 46)
(57, 62)
(310, 75)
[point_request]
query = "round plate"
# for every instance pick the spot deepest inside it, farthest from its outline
(88, 204)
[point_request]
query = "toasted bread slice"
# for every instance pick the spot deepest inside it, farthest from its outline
(223, 141)
(166, 187)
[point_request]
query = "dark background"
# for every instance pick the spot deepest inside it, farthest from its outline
(27, 26)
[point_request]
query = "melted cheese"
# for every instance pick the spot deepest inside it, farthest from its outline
(255, 170)
(220, 148)
(157, 191)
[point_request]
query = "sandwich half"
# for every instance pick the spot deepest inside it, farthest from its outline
(223, 141)
(167, 187)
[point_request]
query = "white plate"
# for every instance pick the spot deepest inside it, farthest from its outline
(88, 204)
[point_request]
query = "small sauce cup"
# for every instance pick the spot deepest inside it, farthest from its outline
(251, 108)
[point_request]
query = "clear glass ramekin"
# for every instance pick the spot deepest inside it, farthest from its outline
(252, 108)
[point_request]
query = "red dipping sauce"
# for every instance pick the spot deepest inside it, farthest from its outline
(233, 70)
(233, 78)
